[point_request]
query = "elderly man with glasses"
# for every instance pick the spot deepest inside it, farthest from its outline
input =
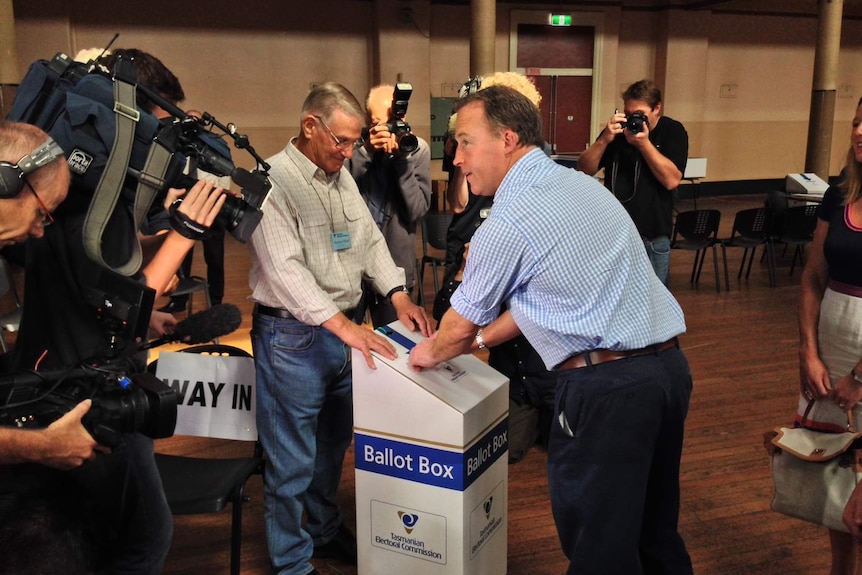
(314, 246)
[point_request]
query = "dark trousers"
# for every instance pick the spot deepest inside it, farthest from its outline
(614, 473)
(108, 516)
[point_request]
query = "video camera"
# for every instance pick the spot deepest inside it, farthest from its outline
(194, 139)
(122, 402)
(42, 100)
(407, 141)
(126, 399)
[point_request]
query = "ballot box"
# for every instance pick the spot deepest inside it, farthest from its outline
(808, 183)
(431, 455)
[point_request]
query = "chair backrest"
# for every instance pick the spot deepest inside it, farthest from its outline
(697, 224)
(216, 395)
(434, 229)
(799, 223)
(752, 223)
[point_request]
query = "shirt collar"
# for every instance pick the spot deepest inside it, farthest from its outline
(511, 183)
(308, 169)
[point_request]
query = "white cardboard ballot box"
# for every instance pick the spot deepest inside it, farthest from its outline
(808, 183)
(431, 464)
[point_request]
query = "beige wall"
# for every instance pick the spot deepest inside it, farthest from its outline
(252, 63)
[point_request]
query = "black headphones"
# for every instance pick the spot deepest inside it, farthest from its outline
(12, 175)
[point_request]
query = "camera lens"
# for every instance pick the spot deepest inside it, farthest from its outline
(408, 143)
(635, 123)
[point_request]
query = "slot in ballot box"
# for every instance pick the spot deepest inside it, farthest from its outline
(431, 455)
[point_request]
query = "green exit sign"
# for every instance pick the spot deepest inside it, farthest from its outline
(561, 19)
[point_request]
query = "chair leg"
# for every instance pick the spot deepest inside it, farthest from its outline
(715, 266)
(436, 281)
(770, 262)
(724, 259)
(420, 292)
(750, 261)
(700, 265)
(421, 281)
(797, 253)
(236, 534)
(694, 267)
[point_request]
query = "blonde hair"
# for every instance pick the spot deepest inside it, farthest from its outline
(517, 82)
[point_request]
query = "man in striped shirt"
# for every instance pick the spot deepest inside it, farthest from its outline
(567, 260)
(314, 246)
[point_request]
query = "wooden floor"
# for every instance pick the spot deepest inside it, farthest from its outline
(742, 349)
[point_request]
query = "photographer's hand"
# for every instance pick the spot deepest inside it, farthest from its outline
(616, 125)
(380, 138)
(65, 444)
(201, 204)
(162, 323)
(640, 139)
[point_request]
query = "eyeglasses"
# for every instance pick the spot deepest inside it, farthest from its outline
(339, 143)
(47, 218)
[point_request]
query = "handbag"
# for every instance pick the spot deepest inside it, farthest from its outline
(814, 472)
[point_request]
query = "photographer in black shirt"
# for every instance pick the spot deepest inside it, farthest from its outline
(644, 155)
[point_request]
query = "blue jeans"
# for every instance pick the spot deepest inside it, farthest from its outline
(658, 251)
(614, 480)
(305, 424)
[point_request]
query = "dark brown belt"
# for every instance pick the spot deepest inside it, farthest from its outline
(273, 311)
(284, 314)
(598, 356)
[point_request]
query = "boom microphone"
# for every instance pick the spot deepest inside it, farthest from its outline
(202, 326)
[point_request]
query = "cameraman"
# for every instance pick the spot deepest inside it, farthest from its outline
(65, 443)
(115, 502)
(396, 186)
(643, 168)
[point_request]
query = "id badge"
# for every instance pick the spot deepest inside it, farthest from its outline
(340, 241)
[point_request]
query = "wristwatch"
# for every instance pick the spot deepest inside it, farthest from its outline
(394, 291)
(480, 341)
(856, 377)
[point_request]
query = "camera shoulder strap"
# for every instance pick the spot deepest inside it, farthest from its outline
(107, 193)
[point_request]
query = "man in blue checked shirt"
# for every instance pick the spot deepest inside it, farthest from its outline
(567, 260)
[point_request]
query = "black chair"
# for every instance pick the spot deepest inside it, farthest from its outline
(567, 161)
(750, 230)
(797, 229)
(198, 485)
(435, 226)
(697, 230)
(189, 286)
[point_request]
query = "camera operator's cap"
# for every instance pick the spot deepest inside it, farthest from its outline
(42, 156)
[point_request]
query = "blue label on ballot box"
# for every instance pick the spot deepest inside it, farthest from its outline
(430, 466)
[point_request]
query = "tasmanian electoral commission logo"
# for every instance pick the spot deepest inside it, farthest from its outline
(488, 519)
(410, 532)
(409, 520)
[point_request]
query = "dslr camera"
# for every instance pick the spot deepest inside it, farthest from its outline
(407, 141)
(635, 123)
